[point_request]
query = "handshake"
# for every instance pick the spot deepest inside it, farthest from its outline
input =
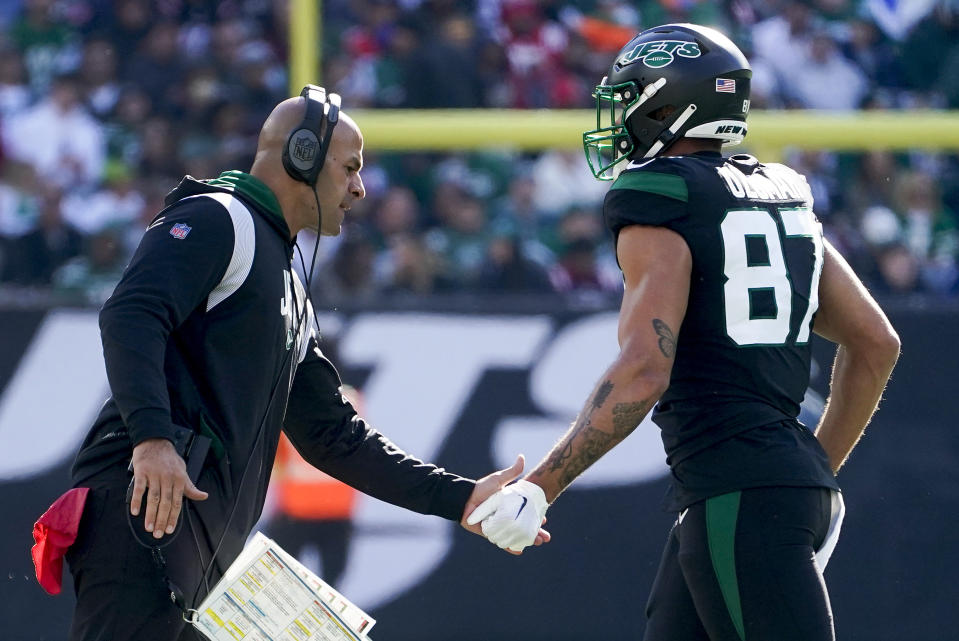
(511, 517)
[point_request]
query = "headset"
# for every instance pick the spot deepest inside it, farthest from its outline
(304, 153)
(305, 150)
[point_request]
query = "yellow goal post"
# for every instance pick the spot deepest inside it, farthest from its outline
(770, 132)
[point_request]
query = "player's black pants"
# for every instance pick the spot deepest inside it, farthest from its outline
(120, 591)
(741, 567)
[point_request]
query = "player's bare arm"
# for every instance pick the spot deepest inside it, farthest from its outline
(868, 350)
(656, 265)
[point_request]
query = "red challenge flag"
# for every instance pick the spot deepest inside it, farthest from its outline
(53, 534)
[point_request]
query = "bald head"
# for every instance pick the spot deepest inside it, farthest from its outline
(335, 189)
(281, 121)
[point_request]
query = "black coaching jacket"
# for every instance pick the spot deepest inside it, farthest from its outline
(210, 329)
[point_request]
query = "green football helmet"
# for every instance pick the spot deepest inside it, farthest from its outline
(696, 71)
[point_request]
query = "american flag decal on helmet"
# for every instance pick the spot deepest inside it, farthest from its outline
(725, 85)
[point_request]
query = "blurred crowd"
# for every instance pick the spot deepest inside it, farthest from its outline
(106, 104)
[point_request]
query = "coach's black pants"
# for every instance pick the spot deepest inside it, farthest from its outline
(741, 567)
(120, 592)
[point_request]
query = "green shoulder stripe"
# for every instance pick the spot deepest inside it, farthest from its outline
(669, 185)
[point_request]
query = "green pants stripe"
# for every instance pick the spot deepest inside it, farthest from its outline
(721, 514)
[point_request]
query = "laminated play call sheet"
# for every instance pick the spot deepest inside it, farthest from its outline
(267, 595)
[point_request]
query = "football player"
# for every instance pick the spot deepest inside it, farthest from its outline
(727, 275)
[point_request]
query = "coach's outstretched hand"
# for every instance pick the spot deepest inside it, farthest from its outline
(158, 469)
(487, 487)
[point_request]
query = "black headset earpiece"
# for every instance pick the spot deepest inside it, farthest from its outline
(306, 147)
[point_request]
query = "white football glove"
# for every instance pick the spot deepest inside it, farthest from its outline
(511, 518)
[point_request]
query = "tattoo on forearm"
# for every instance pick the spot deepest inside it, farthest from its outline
(626, 416)
(560, 455)
(564, 450)
(667, 340)
(602, 394)
(591, 442)
(595, 443)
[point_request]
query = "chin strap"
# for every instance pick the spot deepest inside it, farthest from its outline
(669, 135)
(648, 92)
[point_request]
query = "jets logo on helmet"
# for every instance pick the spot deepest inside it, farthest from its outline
(659, 54)
(693, 82)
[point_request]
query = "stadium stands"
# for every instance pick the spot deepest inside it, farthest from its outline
(104, 104)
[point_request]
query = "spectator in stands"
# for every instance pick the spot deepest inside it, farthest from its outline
(897, 269)
(584, 263)
(99, 81)
(398, 213)
(410, 267)
(462, 238)
(508, 269)
(260, 77)
(179, 86)
(453, 57)
(563, 180)
(124, 129)
(822, 66)
(32, 259)
(19, 215)
(116, 205)
(14, 92)
(606, 29)
(91, 277)
(782, 39)
(158, 67)
(349, 276)
(873, 54)
(203, 91)
(534, 46)
(20, 193)
(519, 210)
(227, 38)
(872, 183)
(821, 169)
(159, 156)
(929, 231)
(59, 138)
(48, 45)
(127, 22)
(233, 137)
(577, 270)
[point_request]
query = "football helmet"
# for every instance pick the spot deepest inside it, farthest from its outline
(696, 71)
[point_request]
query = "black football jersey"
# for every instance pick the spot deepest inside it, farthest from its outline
(743, 351)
